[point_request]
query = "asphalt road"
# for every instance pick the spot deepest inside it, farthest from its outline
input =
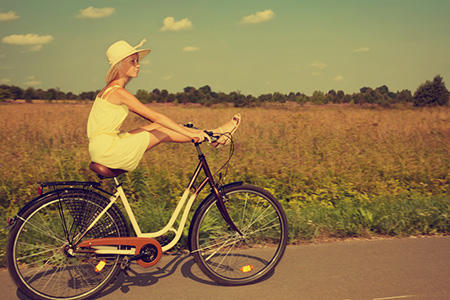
(411, 268)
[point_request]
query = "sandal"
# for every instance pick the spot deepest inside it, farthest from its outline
(225, 137)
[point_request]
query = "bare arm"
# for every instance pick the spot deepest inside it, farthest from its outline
(122, 96)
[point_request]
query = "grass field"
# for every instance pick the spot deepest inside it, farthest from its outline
(339, 171)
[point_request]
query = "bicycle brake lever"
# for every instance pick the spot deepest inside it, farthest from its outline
(214, 138)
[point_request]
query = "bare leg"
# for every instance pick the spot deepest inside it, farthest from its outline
(160, 134)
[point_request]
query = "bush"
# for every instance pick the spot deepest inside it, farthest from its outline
(432, 93)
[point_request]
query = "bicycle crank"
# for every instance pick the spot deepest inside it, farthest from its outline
(147, 252)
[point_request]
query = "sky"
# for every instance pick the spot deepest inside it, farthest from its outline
(249, 46)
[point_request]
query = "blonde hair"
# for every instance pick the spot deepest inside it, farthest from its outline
(115, 70)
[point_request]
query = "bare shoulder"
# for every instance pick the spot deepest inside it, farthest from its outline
(121, 96)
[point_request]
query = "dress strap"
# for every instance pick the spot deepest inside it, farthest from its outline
(109, 91)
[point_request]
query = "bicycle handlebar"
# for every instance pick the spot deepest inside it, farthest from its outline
(214, 138)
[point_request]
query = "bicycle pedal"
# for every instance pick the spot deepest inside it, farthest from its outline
(125, 264)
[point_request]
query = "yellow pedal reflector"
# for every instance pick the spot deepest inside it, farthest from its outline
(246, 269)
(100, 266)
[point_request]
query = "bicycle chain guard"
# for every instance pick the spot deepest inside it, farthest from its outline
(147, 250)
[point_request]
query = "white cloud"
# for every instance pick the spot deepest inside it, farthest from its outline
(5, 80)
(259, 17)
(96, 13)
(36, 48)
(35, 41)
(338, 78)
(168, 77)
(171, 25)
(191, 49)
(363, 49)
(33, 82)
(8, 16)
(145, 62)
(27, 39)
(319, 65)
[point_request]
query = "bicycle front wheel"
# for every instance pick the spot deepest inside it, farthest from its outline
(40, 253)
(228, 257)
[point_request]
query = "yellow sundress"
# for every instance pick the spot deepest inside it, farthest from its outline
(107, 146)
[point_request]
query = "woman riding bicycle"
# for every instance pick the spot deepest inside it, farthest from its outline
(109, 147)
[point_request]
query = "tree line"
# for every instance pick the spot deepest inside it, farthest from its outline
(430, 93)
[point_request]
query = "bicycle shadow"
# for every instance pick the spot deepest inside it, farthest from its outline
(138, 276)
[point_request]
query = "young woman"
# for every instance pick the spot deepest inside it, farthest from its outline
(115, 150)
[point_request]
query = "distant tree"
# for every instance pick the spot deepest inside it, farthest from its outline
(4, 94)
(164, 95)
(188, 89)
(29, 94)
(51, 94)
(279, 97)
(357, 98)
(88, 95)
(372, 96)
(71, 96)
(331, 97)
(143, 96)
(384, 90)
(206, 90)
(364, 90)
(340, 96)
(15, 92)
(404, 96)
(431, 93)
(41, 94)
(170, 98)
(318, 97)
(266, 98)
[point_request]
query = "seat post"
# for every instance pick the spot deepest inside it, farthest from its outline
(116, 180)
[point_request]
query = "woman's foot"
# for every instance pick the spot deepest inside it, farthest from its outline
(226, 131)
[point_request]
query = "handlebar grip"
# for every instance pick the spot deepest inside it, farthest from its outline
(214, 138)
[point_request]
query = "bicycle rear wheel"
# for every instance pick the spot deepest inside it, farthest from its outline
(229, 258)
(39, 252)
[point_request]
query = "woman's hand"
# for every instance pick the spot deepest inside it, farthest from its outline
(200, 136)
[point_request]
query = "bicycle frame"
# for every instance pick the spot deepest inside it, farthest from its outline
(183, 202)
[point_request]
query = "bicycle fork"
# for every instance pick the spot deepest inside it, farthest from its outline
(209, 177)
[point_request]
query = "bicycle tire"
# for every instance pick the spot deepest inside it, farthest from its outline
(38, 256)
(225, 256)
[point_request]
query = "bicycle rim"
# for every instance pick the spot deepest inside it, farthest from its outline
(40, 259)
(229, 258)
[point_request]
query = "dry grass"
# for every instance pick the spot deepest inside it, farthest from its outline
(305, 149)
(316, 155)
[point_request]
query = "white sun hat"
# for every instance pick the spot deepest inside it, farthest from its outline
(120, 50)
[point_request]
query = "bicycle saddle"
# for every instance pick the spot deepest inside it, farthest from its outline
(105, 172)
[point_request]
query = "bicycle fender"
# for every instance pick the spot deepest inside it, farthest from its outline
(203, 203)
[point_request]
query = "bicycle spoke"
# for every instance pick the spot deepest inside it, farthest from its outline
(42, 230)
(233, 259)
(44, 264)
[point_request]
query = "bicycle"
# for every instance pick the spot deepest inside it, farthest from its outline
(72, 241)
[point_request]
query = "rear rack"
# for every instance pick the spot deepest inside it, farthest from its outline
(68, 183)
(54, 185)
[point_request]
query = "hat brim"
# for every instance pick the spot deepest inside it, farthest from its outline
(110, 76)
